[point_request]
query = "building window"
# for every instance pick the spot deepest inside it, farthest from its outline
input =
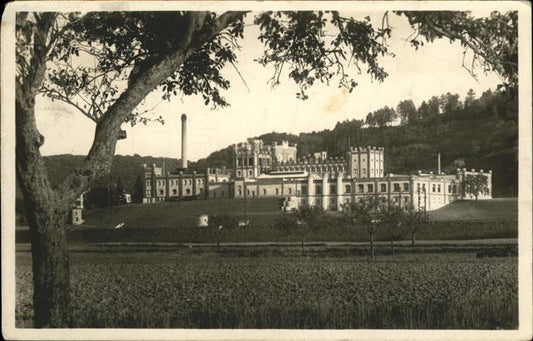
(449, 188)
(454, 189)
(174, 191)
(161, 192)
(290, 190)
(333, 189)
(277, 191)
(347, 189)
(304, 190)
(433, 188)
(264, 191)
(318, 190)
(396, 188)
(438, 188)
(297, 192)
(383, 188)
(247, 192)
(360, 188)
(406, 187)
(239, 173)
(249, 173)
(370, 188)
(188, 191)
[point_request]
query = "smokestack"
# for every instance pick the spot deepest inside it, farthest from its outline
(183, 141)
(438, 164)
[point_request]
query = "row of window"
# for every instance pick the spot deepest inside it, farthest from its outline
(175, 192)
(242, 161)
(212, 181)
(239, 173)
(266, 192)
(361, 188)
(313, 168)
(175, 182)
(371, 160)
(436, 188)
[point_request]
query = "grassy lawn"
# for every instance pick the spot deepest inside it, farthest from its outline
(494, 209)
(260, 212)
(175, 222)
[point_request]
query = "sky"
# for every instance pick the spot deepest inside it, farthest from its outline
(256, 108)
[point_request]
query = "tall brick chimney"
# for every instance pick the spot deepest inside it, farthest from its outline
(183, 141)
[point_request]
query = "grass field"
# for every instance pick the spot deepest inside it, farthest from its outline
(186, 289)
(262, 212)
(494, 209)
(175, 223)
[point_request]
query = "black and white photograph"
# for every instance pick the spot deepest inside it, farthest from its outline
(266, 170)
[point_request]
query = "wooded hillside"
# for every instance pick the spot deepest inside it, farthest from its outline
(480, 133)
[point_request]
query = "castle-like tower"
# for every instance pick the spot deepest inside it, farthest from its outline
(366, 162)
(253, 157)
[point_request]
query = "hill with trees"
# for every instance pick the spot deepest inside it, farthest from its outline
(479, 133)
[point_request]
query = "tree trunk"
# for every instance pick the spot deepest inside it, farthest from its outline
(413, 238)
(51, 280)
(46, 218)
(392, 246)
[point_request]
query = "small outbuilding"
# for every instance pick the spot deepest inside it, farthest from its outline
(203, 220)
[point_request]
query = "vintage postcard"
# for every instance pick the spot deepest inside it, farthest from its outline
(266, 170)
